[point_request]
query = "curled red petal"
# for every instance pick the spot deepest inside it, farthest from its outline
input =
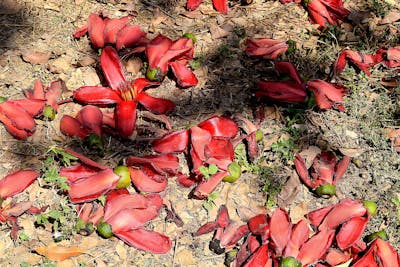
(316, 246)
(281, 229)
(77, 171)
(145, 183)
(129, 36)
(113, 26)
(112, 67)
(125, 201)
(16, 182)
(125, 118)
(91, 119)
(302, 171)
(72, 127)
(220, 127)
(203, 190)
(174, 142)
(97, 95)
(12, 129)
(185, 77)
(221, 6)
(351, 232)
(156, 49)
(154, 104)
(96, 30)
(146, 240)
(90, 188)
(19, 117)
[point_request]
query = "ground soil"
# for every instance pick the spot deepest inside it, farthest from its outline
(227, 81)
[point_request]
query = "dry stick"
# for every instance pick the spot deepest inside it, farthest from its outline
(175, 248)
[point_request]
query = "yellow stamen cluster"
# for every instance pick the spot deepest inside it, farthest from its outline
(128, 91)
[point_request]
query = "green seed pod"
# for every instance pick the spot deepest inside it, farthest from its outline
(289, 262)
(259, 135)
(3, 99)
(49, 113)
(154, 75)
(371, 207)
(104, 230)
(234, 172)
(230, 256)
(326, 190)
(123, 172)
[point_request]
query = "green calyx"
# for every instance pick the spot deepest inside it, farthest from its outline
(381, 234)
(49, 112)
(3, 99)
(235, 171)
(230, 256)
(190, 35)
(259, 135)
(84, 228)
(123, 172)
(289, 262)
(326, 190)
(94, 141)
(371, 207)
(104, 230)
(154, 75)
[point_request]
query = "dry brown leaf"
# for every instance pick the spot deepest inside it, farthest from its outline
(86, 61)
(290, 191)
(218, 32)
(133, 65)
(59, 253)
(309, 154)
(351, 152)
(392, 16)
(36, 57)
(298, 212)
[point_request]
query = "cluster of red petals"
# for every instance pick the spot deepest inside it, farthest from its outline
(292, 91)
(336, 239)
(324, 169)
(118, 32)
(324, 12)
(127, 214)
(389, 56)
(50, 94)
(123, 94)
(163, 53)
(265, 48)
(220, 5)
(210, 142)
(11, 185)
(327, 95)
(88, 180)
(88, 121)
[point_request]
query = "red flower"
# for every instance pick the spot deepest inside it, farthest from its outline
(220, 5)
(326, 11)
(361, 60)
(122, 93)
(324, 172)
(327, 95)
(162, 53)
(103, 30)
(266, 48)
(293, 91)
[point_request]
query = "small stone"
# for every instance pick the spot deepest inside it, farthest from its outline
(120, 248)
(90, 77)
(185, 257)
(60, 65)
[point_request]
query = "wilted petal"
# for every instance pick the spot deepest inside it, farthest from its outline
(185, 77)
(112, 67)
(125, 201)
(267, 48)
(128, 219)
(282, 91)
(207, 228)
(203, 190)
(316, 247)
(125, 118)
(32, 106)
(386, 253)
(91, 118)
(145, 182)
(219, 149)
(335, 257)
(113, 26)
(199, 139)
(146, 240)
(259, 258)
(302, 171)
(220, 127)
(72, 127)
(156, 49)
(281, 228)
(18, 116)
(129, 36)
(351, 231)
(12, 129)
(316, 216)
(85, 159)
(77, 171)
(53, 92)
(289, 69)
(16, 182)
(299, 235)
(174, 142)
(163, 164)
(259, 225)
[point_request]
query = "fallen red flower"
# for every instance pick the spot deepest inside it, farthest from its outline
(293, 91)
(361, 60)
(220, 5)
(324, 172)
(163, 53)
(324, 12)
(327, 95)
(266, 48)
(103, 30)
(122, 93)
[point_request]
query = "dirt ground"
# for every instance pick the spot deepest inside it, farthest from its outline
(227, 80)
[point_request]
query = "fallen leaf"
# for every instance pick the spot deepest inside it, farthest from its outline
(218, 32)
(133, 65)
(298, 212)
(351, 152)
(36, 57)
(289, 191)
(392, 16)
(59, 253)
(86, 61)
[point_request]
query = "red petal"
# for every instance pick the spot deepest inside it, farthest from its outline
(223, 216)
(96, 95)
(342, 212)
(340, 63)
(239, 232)
(332, 91)
(368, 260)
(219, 149)
(199, 139)
(300, 234)
(323, 168)
(289, 69)
(206, 187)
(90, 188)
(91, 118)
(156, 49)
(316, 216)
(18, 116)
(78, 33)
(174, 142)
(206, 228)
(181, 49)
(144, 183)
(387, 253)
(72, 127)
(259, 225)
(266, 48)
(281, 228)
(316, 246)
(54, 92)
(77, 171)
(16, 182)
(32, 106)
(302, 171)
(351, 231)
(259, 258)
(120, 202)
(341, 168)
(154, 104)
(14, 131)
(335, 257)
(282, 91)
(220, 127)
(146, 240)
(38, 90)
(112, 67)
(193, 4)
(129, 36)
(128, 219)
(185, 77)
(163, 164)
(113, 27)
(185, 180)
(85, 160)
(113, 193)
(221, 6)
(125, 118)
(96, 30)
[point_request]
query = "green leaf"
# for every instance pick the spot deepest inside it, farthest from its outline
(24, 264)
(203, 170)
(23, 237)
(213, 196)
(208, 206)
(212, 169)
